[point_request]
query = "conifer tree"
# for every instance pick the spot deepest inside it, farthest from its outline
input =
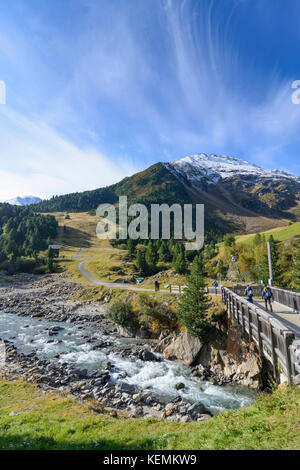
(131, 247)
(194, 305)
(141, 263)
(151, 257)
(163, 252)
(180, 264)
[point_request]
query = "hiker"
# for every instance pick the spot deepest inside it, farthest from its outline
(267, 297)
(215, 284)
(156, 285)
(249, 294)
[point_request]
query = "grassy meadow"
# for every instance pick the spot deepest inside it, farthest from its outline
(31, 419)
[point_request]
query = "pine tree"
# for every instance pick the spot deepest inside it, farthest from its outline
(141, 263)
(131, 247)
(151, 257)
(192, 312)
(163, 252)
(50, 260)
(180, 264)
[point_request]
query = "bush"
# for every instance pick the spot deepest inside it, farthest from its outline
(20, 265)
(122, 314)
(159, 314)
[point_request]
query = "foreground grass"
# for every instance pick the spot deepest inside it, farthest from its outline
(51, 421)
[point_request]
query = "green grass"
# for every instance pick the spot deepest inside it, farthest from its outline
(280, 234)
(51, 421)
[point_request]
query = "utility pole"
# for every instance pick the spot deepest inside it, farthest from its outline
(270, 264)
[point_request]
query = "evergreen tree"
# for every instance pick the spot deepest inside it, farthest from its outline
(141, 263)
(180, 264)
(49, 260)
(151, 257)
(194, 305)
(163, 252)
(131, 247)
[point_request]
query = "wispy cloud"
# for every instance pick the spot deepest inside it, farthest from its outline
(44, 163)
(98, 90)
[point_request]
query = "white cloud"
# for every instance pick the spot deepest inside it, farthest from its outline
(41, 162)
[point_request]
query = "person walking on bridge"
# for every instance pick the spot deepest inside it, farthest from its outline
(249, 294)
(267, 296)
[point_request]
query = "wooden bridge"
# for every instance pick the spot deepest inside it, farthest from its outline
(276, 334)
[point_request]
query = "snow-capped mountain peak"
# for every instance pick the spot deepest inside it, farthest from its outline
(24, 201)
(215, 167)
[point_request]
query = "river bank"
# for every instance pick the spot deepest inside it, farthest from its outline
(70, 346)
(34, 419)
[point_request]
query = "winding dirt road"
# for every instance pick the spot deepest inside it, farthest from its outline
(88, 275)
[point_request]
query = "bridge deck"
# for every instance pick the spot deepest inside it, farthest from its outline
(285, 314)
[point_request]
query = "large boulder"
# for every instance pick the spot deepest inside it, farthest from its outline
(197, 409)
(185, 348)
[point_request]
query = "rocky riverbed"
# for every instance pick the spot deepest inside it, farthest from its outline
(72, 347)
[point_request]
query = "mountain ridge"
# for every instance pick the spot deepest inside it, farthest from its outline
(238, 196)
(215, 167)
(24, 200)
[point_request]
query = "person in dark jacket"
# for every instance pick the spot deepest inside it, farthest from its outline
(267, 296)
(249, 294)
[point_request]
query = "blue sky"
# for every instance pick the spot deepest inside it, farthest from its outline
(99, 89)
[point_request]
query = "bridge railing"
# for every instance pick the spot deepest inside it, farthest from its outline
(274, 341)
(286, 297)
(180, 289)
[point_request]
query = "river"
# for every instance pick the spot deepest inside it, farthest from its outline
(72, 344)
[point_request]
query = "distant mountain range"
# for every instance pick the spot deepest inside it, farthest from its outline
(238, 196)
(24, 201)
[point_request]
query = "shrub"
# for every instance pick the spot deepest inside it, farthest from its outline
(160, 315)
(122, 314)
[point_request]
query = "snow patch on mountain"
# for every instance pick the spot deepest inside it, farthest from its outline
(213, 167)
(24, 201)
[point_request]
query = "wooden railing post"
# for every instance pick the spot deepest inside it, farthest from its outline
(260, 345)
(274, 356)
(243, 319)
(249, 322)
(288, 339)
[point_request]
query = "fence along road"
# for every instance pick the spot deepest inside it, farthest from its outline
(277, 339)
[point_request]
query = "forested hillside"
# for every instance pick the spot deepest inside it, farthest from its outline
(23, 234)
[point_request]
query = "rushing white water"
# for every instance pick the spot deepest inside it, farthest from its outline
(29, 334)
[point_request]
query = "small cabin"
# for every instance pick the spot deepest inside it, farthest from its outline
(54, 250)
